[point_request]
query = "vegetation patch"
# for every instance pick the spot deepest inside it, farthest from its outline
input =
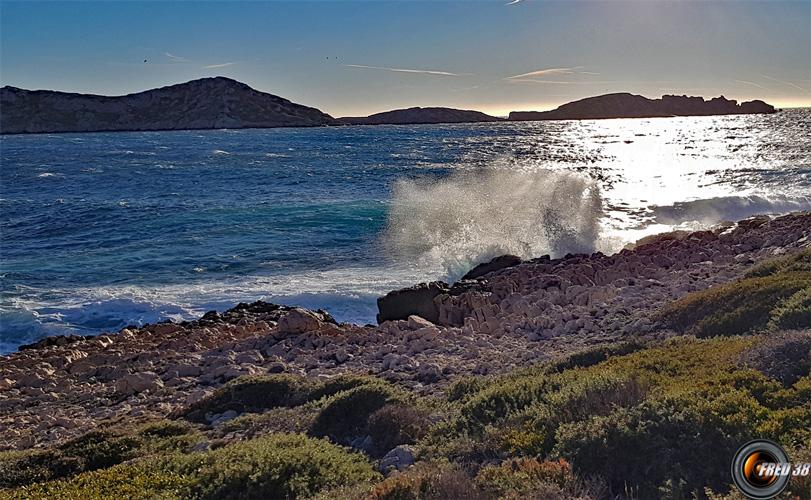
(774, 295)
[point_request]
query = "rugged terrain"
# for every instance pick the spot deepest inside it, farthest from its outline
(522, 363)
(625, 105)
(208, 103)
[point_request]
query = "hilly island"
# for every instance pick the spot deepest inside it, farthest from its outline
(216, 103)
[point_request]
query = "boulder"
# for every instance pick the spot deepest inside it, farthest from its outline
(399, 458)
(416, 300)
(501, 262)
(298, 320)
(134, 383)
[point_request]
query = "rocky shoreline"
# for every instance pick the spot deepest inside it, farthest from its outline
(511, 317)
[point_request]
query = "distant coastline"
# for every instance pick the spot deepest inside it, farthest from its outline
(217, 103)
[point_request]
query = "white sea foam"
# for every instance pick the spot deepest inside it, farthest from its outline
(728, 208)
(472, 216)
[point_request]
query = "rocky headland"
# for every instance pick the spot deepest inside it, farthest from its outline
(207, 103)
(417, 115)
(626, 105)
(506, 315)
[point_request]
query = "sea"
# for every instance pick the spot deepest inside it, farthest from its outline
(99, 231)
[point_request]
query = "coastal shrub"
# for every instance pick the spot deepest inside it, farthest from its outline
(525, 475)
(792, 313)
(287, 420)
(428, 481)
(345, 415)
(253, 394)
(101, 449)
(783, 356)
(340, 383)
(643, 447)
(165, 429)
(18, 468)
(279, 466)
(396, 424)
(735, 308)
(133, 482)
(465, 387)
(799, 262)
(595, 355)
(498, 400)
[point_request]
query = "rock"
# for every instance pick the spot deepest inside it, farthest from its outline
(56, 340)
(415, 322)
(429, 373)
(501, 262)
(420, 115)
(277, 367)
(138, 382)
(400, 458)
(298, 320)
(341, 356)
(416, 300)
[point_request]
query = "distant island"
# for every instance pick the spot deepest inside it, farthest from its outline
(420, 115)
(208, 103)
(625, 105)
(219, 102)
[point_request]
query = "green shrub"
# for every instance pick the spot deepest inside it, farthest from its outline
(793, 313)
(280, 466)
(165, 429)
(346, 414)
(428, 481)
(463, 388)
(799, 262)
(396, 424)
(253, 394)
(524, 475)
(94, 450)
(735, 308)
(595, 355)
(646, 446)
(133, 482)
(332, 386)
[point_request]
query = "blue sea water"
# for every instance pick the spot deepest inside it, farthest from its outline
(103, 230)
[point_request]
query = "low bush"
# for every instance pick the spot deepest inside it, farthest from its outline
(428, 481)
(345, 415)
(253, 394)
(740, 307)
(524, 475)
(793, 313)
(396, 424)
(799, 262)
(133, 482)
(280, 466)
(642, 448)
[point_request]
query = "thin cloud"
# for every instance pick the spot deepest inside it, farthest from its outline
(753, 84)
(512, 3)
(176, 58)
(784, 82)
(223, 65)
(405, 70)
(541, 73)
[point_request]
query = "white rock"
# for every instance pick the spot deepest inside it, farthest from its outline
(138, 382)
(297, 321)
(399, 458)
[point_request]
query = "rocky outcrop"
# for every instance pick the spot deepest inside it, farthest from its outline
(417, 300)
(496, 264)
(625, 105)
(420, 115)
(208, 103)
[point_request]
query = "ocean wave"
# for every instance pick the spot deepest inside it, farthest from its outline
(475, 215)
(728, 208)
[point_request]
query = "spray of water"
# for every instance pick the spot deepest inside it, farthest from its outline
(458, 221)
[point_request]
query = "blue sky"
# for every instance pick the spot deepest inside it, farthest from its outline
(350, 58)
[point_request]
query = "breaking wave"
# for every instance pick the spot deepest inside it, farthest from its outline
(728, 208)
(472, 216)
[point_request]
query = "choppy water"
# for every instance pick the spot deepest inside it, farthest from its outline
(104, 230)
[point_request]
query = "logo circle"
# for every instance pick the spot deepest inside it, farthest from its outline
(756, 469)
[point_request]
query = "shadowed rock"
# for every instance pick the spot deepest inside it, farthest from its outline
(625, 105)
(416, 300)
(420, 115)
(501, 262)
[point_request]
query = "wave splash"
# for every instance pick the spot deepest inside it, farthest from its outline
(467, 218)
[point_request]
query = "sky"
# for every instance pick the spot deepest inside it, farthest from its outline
(355, 58)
